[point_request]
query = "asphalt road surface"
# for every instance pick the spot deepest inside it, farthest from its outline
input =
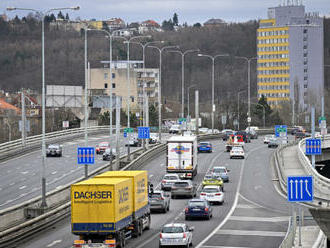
(254, 213)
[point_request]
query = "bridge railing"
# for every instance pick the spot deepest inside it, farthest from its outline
(322, 183)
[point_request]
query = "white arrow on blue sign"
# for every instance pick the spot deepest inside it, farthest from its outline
(86, 155)
(144, 133)
(300, 189)
(313, 147)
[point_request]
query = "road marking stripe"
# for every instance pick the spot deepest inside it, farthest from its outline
(245, 206)
(251, 233)
(22, 187)
(231, 211)
(215, 246)
(54, 172)
(260, 219)
(54, 243)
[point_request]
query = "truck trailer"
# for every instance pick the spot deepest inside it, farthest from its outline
(110, 208)
(181, 156)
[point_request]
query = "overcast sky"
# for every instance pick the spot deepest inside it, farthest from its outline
(190, 11)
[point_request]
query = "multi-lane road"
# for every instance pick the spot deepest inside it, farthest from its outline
(254, 213)
(20, 177)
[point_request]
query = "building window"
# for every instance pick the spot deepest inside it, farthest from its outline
(105, 85)
(114, 86)
(305, 31)
(305, 86)
(105, 75)
(132, 98)
(113, 75)
(305, 70)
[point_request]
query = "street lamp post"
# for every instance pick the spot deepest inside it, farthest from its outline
(248, 60)
(128, 41)
(191, 86)
(238, 108)
(43, 147)
(183, 54)
(213, 61)
(160, 50)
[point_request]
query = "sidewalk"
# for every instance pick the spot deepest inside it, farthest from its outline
(290, 166)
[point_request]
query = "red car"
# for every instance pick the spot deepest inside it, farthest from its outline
(100, 148)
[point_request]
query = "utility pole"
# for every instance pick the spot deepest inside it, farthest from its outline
(86, 113)
(117, 164)
(23, 131)
(196, 111)
(313, 131)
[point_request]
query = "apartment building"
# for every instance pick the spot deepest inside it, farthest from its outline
(100, 82)
(290, 56)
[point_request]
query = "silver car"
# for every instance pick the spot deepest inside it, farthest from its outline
(159, 200)
(54, 150)
(168, 180)
(183, 188)
(176, 234)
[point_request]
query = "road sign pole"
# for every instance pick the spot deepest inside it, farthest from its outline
(86, 113)
(313, 132)
(23, 119)
(300, 220)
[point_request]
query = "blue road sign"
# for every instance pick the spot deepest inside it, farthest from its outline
(86, 155)
(281, 131)
(144, 133)
(300, 189)
(313, 147)
(125, 135)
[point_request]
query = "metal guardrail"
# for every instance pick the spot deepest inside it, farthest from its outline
(62, 209)
(288, 241)
(323, 183)
(12, 148)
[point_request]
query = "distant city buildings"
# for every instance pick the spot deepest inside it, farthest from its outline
(290, 56)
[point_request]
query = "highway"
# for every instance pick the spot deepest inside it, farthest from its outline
(253, 215)
(20, 177)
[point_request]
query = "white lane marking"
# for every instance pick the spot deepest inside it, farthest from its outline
(11, 184)
(22, 187)
(245, 206)
(257, 187)
(161, 165)
(231, 211)
(54, 172)
(0, 189)
(260, 219)
(24, 172)
(8, 171)
(213, 246)
(54, 243)
(22, 195)
(251, 233)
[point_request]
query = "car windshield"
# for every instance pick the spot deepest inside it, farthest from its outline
(53, 146)
(196, 204)
(156, 195)
(210, 190)
(181, 184)
(208, 177)
(171, 178)
(237, 149)
(219, 170)
(204, 144)
(172, 229)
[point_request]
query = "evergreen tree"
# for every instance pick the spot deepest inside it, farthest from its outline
(153, 115)
(175, 19)
(197, 25)
(60, 15)
(168, 25)
(67, 17)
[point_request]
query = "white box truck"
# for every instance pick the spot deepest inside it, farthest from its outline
(182, 156)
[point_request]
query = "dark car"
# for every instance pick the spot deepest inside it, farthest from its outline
(253, 134)
(297, 129)
(107, 155)
(300, 135)
(227, 135)
(204, 147)
(246, 136)
(54, 150)
(198, 208)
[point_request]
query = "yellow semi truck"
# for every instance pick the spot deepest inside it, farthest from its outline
(110, 208)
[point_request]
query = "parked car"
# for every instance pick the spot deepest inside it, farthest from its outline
(159, 200)
(268, 137)
(107, 155)
(212, 194)
(253, 134)
(101, 147)
(227, 134)
(221, 171)
(203, 130)
(168, 180)
(198, 208)
(174, 129)
(54, 150)
(176, 235)
(204, 147)
(273, 142)
(237, 152)
(183, 188)
(213, 179)
(245, 135)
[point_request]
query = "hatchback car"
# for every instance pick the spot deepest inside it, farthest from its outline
(212, 194)
(100, 148)
(237, 152)
(176, 234)
(221, 171)
(183, 188)
(168, 180)
(54, 150)
(198, 208)
(204, 147)
(107, 155)
(273, 142)
(159, 200)
(213, 179)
